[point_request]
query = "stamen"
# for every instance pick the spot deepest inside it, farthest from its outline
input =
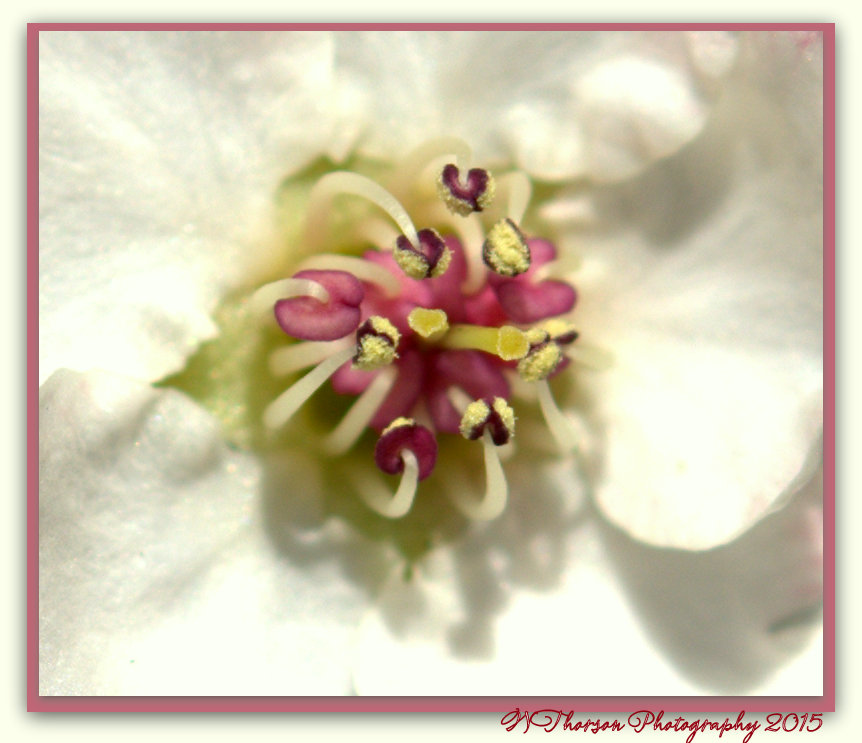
(474, 195)
(505, 250)
(546, 353)
(560, 428)
(471, 237)
(358, 418)
(404, 434)
(378, 497)
(507, 342)
(298, 356)
(495, 416)
(429, 260)
(425, 154)
(540, 362)
(288, 402)
(520, 189)
(352, 183)
(362, 269)
(376, 344)
(496, 487)
(429, 324)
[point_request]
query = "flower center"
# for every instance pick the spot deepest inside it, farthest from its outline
(432, 331)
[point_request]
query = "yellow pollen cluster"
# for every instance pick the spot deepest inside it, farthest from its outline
(377, 349)
(557, 328)
(477, 412)
(461, 207)
(506, 413)
(505, 250)
(415, 265)
(540, 364)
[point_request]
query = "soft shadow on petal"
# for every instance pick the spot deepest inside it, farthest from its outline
(622, 619)
(562, 104)
(707, 290)
(156, 575)
(160, 152)
(731, 616)
(580, 638)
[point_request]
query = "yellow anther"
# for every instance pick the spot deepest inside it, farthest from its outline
(430, 324)
(540, 363)
(505, 250)
(413, 264)
(498, 417)
(376, 344)
(506, 413)
(559, 329)
(475, 415)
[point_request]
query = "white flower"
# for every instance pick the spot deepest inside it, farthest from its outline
(690, 181)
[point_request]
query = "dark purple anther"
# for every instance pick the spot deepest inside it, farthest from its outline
(312, 320)
(401, 434)
(475, 195)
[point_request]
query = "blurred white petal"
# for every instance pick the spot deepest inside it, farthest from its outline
(157, 573)
(159, 153)
(561, 104)
(707, 290)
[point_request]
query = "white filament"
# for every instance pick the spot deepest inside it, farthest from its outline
(362, 269)
(520, 189)
(298, 356)
(425, 154)
(496, 487)
(560, 428)
(377, 231)
(263, 300)
(345, 182)
(288, 402)
(356, 420)
(378, 497)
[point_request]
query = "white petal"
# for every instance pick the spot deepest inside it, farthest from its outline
(159, 573)
(563, 104)
(710, 299)
(158, 153)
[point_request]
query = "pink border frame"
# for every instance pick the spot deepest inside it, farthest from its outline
(501, 705)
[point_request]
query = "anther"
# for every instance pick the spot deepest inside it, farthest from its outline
(546, 353)
(505, 250)
(494, 415)
(429, 260)
(403, 448)
(376, 344)
(401, 434)
(474, 196)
